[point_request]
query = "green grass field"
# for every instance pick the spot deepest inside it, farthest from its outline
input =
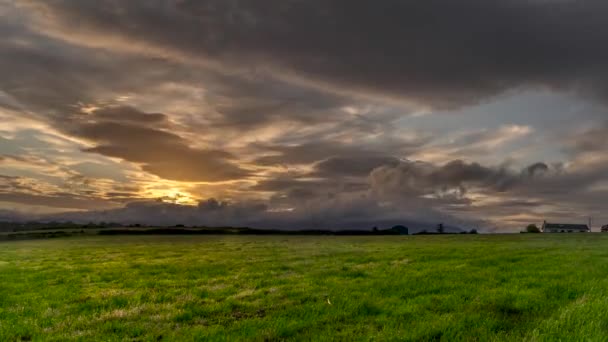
(523, 287)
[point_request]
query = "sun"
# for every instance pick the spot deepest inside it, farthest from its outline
(178, 197)
(171, 195)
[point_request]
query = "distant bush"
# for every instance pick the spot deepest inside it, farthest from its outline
(532, 228)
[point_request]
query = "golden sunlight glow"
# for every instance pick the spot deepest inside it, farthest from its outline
(171, 195)
(87, 108)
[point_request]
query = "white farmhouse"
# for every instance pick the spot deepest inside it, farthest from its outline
(564, 228)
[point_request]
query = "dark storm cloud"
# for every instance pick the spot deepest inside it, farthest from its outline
(292, 191)
(129, 115)
(419, 178)
(53, 78)
(162, 153)
(49, 75)
(249, 100)
(393, 194)
(209, 212)
(515, 196)
(282, 183)
(335, 213)
(438, 53)
(536, 169)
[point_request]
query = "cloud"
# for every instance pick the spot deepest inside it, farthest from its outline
(472, 145)
(415, 178)
(130, 115)
(590, 139)
(323, 150)
(33, 192)
(433, 53)
(63, 201)
(537, 169)
(419, 194)
(407, 179)
(353, 213)
(304, 113)
(160, 152)
(209, 212)
(358, 166)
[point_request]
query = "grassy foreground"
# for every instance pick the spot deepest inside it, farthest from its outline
(505, 287)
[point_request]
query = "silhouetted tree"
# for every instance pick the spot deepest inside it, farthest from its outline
(401, 230)
(440, 229)
(532, 228)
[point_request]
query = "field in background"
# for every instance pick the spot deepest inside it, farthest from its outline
(501, 287)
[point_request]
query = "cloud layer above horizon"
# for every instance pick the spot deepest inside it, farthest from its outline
(304, 114)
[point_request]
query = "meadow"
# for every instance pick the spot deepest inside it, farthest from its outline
(519, 287)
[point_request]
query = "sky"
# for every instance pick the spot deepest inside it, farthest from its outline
(305, 114)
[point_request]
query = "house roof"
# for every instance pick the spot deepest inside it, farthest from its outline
(565, 226)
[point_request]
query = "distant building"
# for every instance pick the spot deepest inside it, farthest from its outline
(564, 228)
(605, 228)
